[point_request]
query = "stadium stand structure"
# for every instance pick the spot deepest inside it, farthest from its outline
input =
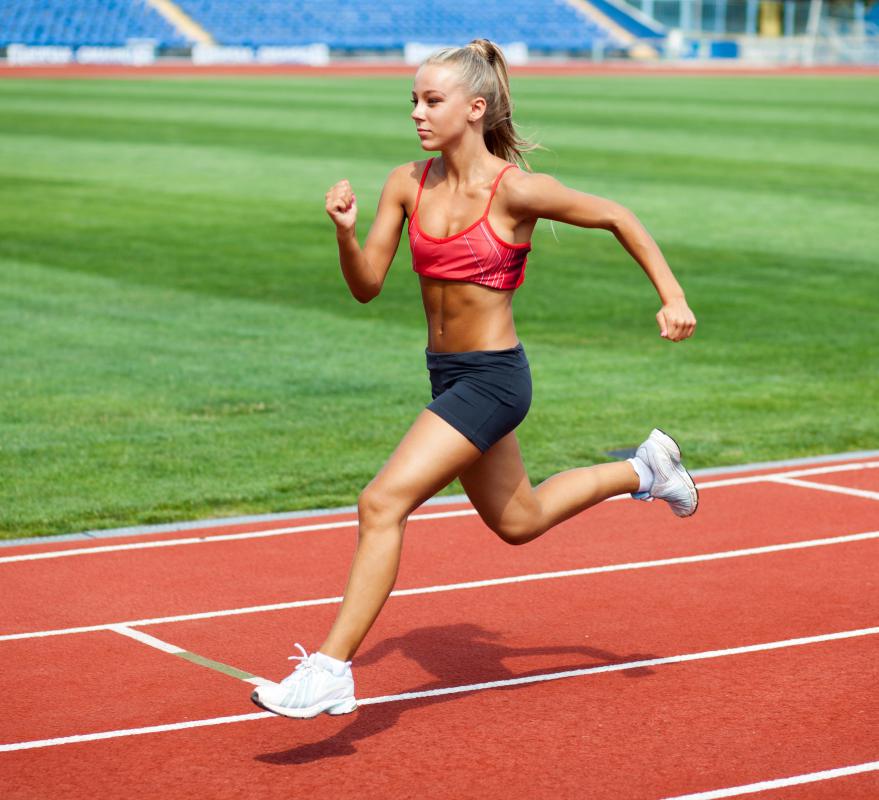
(570, 26)
(543, 25)
(72, 23)
(630, 19)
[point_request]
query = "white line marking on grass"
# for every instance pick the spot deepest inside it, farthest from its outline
(450, 587)
(780, 783)
(466, 512)
(473, 687)
(828, 487)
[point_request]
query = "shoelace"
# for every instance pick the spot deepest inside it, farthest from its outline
(305, 665)
(303, 658)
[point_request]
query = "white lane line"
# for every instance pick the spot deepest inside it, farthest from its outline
(828, 487)
(795, 473)
(472, 687)
(466, 512)
(145, 638)
(93, 737)
(780, 783)
(647, 662)
(450, 587)
(226, 537)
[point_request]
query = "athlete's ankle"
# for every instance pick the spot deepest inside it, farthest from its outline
(336, 666)
(644, 473)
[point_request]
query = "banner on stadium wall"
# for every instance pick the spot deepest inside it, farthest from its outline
(516, 53)
(207, 54)
(316, 55)
(134, 54)
(20, 55)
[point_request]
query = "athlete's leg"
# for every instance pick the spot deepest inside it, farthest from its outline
(498, 486)
(430, 456)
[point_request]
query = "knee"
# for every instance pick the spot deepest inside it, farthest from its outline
(377, 508)
(516, 531)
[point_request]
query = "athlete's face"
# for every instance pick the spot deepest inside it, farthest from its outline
(443, 110)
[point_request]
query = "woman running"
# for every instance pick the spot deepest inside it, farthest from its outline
(479, 374)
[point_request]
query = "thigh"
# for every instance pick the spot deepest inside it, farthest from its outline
(428, 458)
(499, 488)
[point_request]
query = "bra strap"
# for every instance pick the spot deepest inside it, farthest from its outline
(421, 185)
(494, 186)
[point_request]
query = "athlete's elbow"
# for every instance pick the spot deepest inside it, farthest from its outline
(618, 218)
(363, 294)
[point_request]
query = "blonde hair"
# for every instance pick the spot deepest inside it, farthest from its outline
(483, 70)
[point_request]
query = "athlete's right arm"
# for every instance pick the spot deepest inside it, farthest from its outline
(365, 269)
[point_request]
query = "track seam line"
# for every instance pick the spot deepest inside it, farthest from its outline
(467, 512)
(186, 655)
(473, 687)
(569, 573)
(779, 783)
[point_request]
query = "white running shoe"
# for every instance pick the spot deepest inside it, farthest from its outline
(308, 691)
(671, 482)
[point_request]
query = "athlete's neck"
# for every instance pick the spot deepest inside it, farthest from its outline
(467, 164)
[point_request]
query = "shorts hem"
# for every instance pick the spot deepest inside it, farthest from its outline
(460, 426)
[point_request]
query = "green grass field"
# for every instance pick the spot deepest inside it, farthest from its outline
(177, 341)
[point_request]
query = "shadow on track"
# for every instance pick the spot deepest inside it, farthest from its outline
(453, 654)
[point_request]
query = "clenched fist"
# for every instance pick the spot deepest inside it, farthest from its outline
(342, 205)
(676, 321)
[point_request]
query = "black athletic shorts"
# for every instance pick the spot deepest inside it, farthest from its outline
(484, 394)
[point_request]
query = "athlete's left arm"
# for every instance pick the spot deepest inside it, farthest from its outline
(535, 195)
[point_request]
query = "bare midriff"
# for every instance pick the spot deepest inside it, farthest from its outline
(467, 316)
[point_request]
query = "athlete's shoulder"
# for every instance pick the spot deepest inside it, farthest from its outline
(401, 178)
(523, 188)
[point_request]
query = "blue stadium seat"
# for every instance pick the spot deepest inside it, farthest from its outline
(70, 23)
(541, 24)
(343, 24)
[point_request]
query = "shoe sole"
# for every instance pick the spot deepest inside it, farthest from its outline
(672, 446)
(333, 707)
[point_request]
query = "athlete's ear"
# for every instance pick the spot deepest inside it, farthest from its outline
(477, 109)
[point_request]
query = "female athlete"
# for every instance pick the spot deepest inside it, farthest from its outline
(479, 374)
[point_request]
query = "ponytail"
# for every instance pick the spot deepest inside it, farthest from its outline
(483, 71)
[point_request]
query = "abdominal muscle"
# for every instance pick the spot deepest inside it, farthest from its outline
(466, 316)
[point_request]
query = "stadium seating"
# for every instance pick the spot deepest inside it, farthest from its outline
(383, 24)
(83, 22)
(544, 25)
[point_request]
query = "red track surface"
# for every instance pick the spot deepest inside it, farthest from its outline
(648, 732)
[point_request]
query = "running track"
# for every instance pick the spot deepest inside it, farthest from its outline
(626, 655)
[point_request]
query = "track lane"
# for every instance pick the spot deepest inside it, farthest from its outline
(494, 633)
(105, 681)
(419, 663)
(161, 582)
(685, 728)
(864, 479)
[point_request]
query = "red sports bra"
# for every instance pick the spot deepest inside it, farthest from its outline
(475, 255)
